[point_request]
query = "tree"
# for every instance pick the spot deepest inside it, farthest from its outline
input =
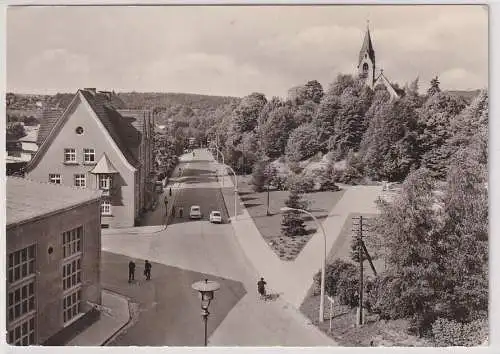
(302, 143)
(353, 173)
(275, 131)
(434, 88)
(292, 222)
(434, 128)
(329, 176)
(259, 177)
(15, 131)
(325, 118)
(314, 91)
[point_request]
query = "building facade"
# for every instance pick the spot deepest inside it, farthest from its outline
(53, 248)
(91, 145)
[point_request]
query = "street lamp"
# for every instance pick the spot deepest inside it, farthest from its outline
(322, 299)
(235, 192)
(206, 289)
(217, 148)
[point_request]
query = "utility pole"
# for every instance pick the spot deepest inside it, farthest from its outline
(359, 230)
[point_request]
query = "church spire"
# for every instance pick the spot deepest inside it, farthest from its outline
(367, 47)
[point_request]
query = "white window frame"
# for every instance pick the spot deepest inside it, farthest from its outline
(106, 207)
(21, 264)
(70, 155)
(55, 178)
(72, 302)
(80, 180)
(105, 181)
(72, 242)
(21, 301)
(72, 274)
(89, 156)
(23, 333)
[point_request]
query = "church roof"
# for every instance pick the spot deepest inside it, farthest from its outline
(367, 48)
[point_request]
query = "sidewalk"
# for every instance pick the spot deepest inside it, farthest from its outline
(293, 279)
(108, 325)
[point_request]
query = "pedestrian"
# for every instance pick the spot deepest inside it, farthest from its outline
(173, 211)
(181, 211)
(147, 269)
(261, 287)
(131, 271)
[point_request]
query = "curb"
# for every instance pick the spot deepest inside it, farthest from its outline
(117, 332)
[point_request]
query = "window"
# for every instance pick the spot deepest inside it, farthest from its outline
(21, 264)
(80, 180)
(72, 242)
(88, 155)
(55, 178)
(104, 181)
(24, 333)
(72, 274)
(21, 301)
(70, 155)
(71, 305)
(105, 207)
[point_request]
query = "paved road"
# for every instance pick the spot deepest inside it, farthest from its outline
(187, 251)
(167, 311)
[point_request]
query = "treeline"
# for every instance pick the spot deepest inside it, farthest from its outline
(181, 107)
(380, 138)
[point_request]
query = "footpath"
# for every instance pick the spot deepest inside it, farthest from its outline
(115, 315)
(293, 279)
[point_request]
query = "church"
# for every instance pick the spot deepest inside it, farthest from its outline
(367, 69)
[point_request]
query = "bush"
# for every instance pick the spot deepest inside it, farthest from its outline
(453, 333)
(302, 183)
(341, 280)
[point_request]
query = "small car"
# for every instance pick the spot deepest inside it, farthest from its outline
(195, 212)
(216, 217)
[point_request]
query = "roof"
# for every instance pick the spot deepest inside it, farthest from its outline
(367, 48)
(31, 136)
(27, 199)
(104, 166)
(121, 131)
(394, 91)
(47, 122)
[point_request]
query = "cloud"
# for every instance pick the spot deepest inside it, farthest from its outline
(236, 50)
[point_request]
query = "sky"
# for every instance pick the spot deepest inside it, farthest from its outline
(237, 50)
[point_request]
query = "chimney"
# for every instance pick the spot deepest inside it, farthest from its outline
(92, 90)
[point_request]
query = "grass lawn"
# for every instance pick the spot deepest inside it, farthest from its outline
(287, 248)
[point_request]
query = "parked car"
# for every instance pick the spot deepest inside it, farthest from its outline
(216, 217)
(195, 212)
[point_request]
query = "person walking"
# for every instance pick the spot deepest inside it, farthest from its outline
(147, 269)
(261, 288)
(166, 205)
(131, 271)
(181, 212)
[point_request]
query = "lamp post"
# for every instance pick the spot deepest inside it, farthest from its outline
(323, 266)
(217, 148)
(206, 289)
(235, 192)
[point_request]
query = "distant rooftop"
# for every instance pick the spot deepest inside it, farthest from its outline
(27, 199)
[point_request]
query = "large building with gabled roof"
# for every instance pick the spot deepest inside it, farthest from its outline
(367, 69)
(91, 145)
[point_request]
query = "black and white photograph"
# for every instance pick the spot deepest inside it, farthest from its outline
(249, 175)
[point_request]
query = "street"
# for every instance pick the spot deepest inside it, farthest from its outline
(187, 251)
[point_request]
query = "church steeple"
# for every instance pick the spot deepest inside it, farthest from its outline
(366, 60)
